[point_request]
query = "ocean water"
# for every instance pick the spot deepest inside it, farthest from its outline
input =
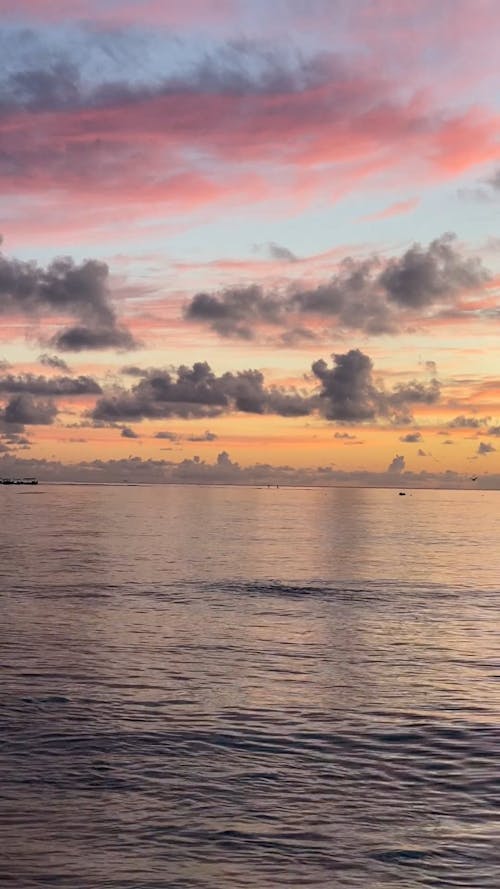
(243, 687)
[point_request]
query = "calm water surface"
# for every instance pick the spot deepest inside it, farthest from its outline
(236, 687)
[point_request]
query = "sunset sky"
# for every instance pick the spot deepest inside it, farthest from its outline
(249, 241)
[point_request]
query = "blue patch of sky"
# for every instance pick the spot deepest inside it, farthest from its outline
(147, 56)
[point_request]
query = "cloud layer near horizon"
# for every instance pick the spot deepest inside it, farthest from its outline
(224, 470)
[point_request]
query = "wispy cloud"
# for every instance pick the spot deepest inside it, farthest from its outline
(395, 209)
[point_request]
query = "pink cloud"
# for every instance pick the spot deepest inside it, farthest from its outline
(334, 123)
(426, 40)
(395, 209)
(466, 141)
(183, 149)
(123, 12)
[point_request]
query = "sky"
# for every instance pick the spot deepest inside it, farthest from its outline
(250, 242)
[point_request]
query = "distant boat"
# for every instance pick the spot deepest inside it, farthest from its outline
(474, 478)
(402, 493)
(18, 481)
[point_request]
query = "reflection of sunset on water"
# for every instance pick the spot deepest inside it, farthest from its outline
(187, 668)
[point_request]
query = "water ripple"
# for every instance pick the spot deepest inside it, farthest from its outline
(276, 715)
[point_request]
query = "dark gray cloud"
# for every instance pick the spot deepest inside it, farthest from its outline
(463, 422)
(80, 338)
(297, 336)
(397, 465)
(205, 436)
(278, 252)
(344, 435)
(398, 402)
(128, 432)
(374, 296)
(167, 436)
(190, 392)
(52, 386)
(352, 297)
(348, 297)
(11, 435)
(53, 361)
(421, 278)
(131, 370)
(411, 437)
(236, 312)
(10, 429)
(64, 287)
(53, 86)
(346, 393)
(485, 448)
(493, 430)
(26, 410)
(349, 393)
(198, 392)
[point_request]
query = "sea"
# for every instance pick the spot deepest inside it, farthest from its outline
(211, 687)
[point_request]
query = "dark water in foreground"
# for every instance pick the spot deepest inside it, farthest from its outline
(216, 687)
